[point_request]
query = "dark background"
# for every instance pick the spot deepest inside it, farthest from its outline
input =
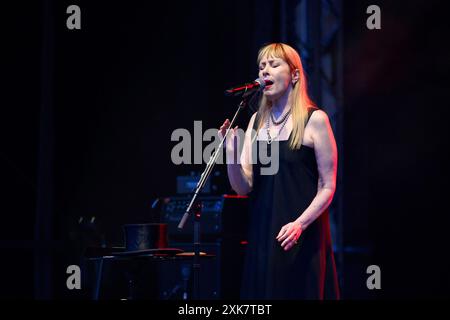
(87, 119)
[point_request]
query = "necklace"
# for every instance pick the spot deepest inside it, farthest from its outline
(269, 138)
(282, 118)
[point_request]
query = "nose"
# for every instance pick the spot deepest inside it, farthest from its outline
(265, 71)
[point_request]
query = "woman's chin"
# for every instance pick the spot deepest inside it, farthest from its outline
(270, 96)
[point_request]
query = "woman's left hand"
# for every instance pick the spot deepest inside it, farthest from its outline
(289, 234)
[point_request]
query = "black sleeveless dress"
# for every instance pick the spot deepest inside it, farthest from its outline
(307, 270)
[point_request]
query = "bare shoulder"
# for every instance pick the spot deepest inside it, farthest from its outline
(319, 119)
(321, 130)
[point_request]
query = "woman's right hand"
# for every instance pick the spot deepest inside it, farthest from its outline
(237, 175)
(232, 136)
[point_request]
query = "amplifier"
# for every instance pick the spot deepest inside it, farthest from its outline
(222, 216)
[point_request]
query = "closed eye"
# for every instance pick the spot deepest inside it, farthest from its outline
(273, 66)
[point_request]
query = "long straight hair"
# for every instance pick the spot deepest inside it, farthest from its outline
(301, 101)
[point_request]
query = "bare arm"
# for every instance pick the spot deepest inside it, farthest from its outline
(326, 156)
(240, 174)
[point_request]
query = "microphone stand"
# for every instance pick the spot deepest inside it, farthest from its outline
(198, 206)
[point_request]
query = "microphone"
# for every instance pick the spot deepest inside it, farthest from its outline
(258, 84)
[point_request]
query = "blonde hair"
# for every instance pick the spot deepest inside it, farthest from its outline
(301, 101)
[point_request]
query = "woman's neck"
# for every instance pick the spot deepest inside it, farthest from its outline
(281, 105)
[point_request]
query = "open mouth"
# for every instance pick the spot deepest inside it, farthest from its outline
(269, 84)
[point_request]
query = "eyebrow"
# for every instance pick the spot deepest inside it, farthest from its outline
(270, 60)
